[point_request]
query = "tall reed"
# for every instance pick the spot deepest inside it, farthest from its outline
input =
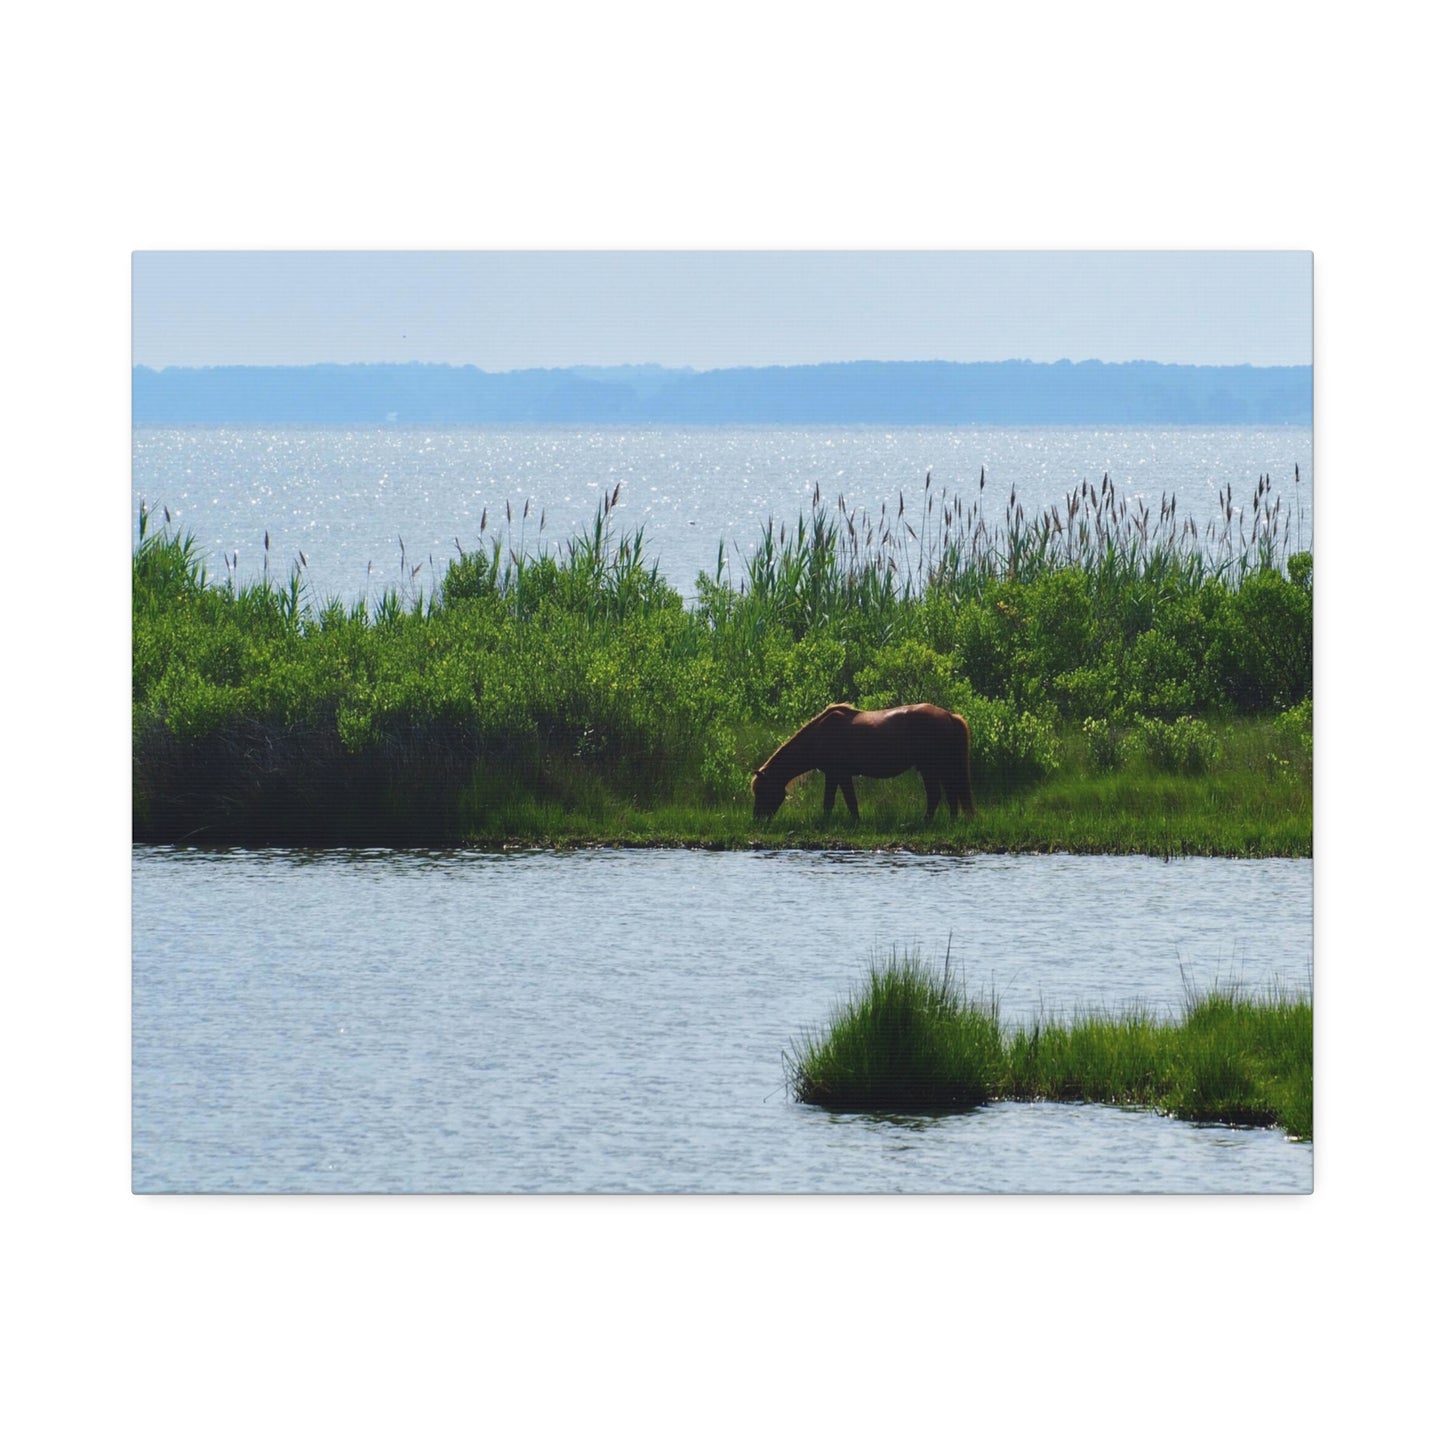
(836, 558)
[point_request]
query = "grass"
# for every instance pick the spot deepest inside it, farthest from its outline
(913, 1041)
(1237, 814)
(1240, 809)
(1132, 686)
(910, 1042)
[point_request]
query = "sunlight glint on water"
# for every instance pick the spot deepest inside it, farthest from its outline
(348, 498)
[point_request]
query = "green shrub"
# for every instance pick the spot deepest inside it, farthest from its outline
(1295, 729)
(982, 644)
(808, 678)
(1090, 692)
(1185, 746)
(1060, 625)
(1162, 679)
(1105, 743)
(906, 672)
(1263, 652)
(1010, 745)
(472, 576)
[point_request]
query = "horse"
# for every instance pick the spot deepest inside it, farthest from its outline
(845, 742)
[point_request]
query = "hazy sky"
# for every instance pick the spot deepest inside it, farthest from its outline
(506, 310)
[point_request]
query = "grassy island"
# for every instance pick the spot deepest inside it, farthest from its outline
(912, 1041)
(1132, 685)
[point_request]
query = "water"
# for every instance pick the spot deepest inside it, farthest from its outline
(615, 1020)
(350, 500)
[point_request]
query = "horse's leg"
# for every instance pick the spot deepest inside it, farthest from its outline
(845, 781)
(830, 788)
(933, 788)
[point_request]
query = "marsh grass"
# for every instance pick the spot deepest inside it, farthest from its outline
(1115, 667)
(912, 1040)
(1241, 1060)
(842, 557)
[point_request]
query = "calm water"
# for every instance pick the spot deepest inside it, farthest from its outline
(351, 499)
(615, 1021)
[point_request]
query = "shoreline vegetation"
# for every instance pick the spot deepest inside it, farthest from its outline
(1133, 685)
(912, 1040)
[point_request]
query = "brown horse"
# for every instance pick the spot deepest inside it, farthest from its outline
(845, 743)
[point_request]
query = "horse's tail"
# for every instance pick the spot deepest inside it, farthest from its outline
(966, 791)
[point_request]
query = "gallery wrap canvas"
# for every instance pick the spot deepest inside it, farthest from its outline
(722, 722)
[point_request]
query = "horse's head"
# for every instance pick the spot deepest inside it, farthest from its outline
(767, 795)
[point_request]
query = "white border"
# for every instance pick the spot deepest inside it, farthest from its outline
(781, 125)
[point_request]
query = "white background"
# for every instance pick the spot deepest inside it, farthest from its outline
(1106, 126)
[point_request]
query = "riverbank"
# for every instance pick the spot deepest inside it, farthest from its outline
(1128, 689)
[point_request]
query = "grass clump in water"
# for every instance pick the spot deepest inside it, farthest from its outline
(913, 1042)
(1245, 1061)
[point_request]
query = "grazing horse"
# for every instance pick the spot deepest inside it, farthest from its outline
(844, 743)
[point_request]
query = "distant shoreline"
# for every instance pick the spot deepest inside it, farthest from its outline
(1012, 393)
(525, 426)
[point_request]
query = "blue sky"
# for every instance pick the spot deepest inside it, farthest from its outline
(507, 310)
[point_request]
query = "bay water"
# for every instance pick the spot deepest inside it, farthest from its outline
(389, 507)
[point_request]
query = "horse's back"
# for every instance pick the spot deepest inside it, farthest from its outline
(931, 736)
(924, 719)
(883, 741)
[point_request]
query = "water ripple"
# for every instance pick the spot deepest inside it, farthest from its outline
(614, 1020)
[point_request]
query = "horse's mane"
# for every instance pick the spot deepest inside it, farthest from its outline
(806, 730)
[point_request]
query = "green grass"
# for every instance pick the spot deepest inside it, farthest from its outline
(1129, 689)
(1240, 809)
(909, 1042)
(1238, 815)
(912, 1041)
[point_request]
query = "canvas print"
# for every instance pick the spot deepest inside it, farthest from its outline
(722, 722)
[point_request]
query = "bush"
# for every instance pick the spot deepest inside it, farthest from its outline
(1010, 744)
(1105, 743)
(1163, 679)
(1263, 652)
(1089, 692)
(1296, 729)
(1185, 746)
(1061, 625)
(472, 576)
(906, 672)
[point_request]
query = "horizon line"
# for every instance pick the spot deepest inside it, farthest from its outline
(708, 370)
